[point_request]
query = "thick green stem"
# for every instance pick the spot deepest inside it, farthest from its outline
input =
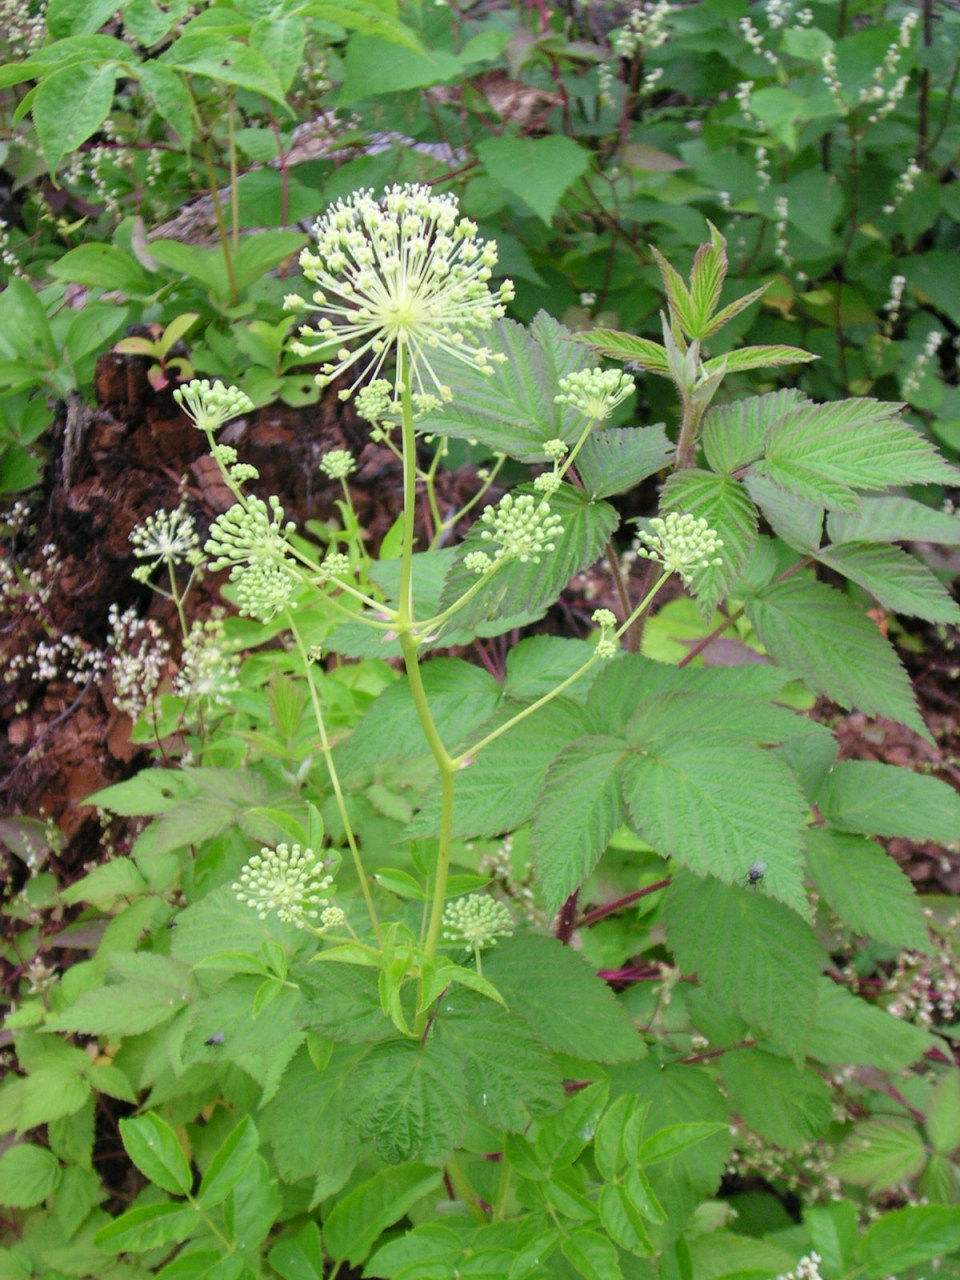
(689, 431)
(335, 777)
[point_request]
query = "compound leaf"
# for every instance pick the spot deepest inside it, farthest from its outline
(577, 812)
(894, 578)
(884, 800)
(826, 452)
(748, 952)
(817, 632)
(530, 968)
(866, 888)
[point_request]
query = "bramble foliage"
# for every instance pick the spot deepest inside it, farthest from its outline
(591, 966)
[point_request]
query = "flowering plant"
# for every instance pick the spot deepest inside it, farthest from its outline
(494, 966)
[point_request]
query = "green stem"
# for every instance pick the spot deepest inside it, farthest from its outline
(409, 439)
(177, 599)
(647, 600)
(334, 776)
(687, 443)
(221, 223)
(438, 619)
(234, 190)
(572, 457)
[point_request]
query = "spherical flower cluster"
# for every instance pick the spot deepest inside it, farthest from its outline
(288, 880)
(683, 543)
(607, 646)
(376, 400)
(522, 528)
(252, 542)
(165, 537)
(595, 392)
(404, 273)
(477, 562)
(338, 464)
(210, 404)
(548, 483)
(555, 450)
(331, 917)
(477, 921)
(335, 566)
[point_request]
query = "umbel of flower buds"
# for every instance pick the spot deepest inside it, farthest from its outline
(404, 275)
(595, 392)
(477, 922)
(288, 880)
(521, 528)
(210, 404)
(684, 544)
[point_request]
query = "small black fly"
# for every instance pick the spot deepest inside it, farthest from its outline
(218, 1038)
(756, 873)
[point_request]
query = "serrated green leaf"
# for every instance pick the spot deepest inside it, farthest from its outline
(529, 968)
(866, 888)
(907, 1237)
(733, 434)
(880, 1153)
(153, 1147)
(123, 1009)
(147, 1227)
(788, 1107)
(894, 578)
(79, 1191)
(118, 878)
(798, 522)
(719, 808)
(299, 1257)
(411, 1100)
(462, 697)
(562, 1138)
(576, 814)
(885, 800)
(539, 663)
(942, 1117)
(591, 1255)
(50, 1092)
(497, 791)
(519, 588)
(28, 1174)
(628, 347)
(824, 453)
(608, 1144)
(229, 1164)
(762, 357)
(622, 1221)
(225, 61)
(748, 952)
(724, 504)
(69, 106)
(356, 1221)
(676, 1139)
(538, 170)
(305, 1122)
(509, 1077)
(615, 460)
(813, 630)
(706, 280)
(514, 411)
(834, 1234)
(151, 791)
(893, 519)
(849, 1030)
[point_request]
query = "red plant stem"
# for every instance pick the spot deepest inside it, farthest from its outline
(610, 907)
